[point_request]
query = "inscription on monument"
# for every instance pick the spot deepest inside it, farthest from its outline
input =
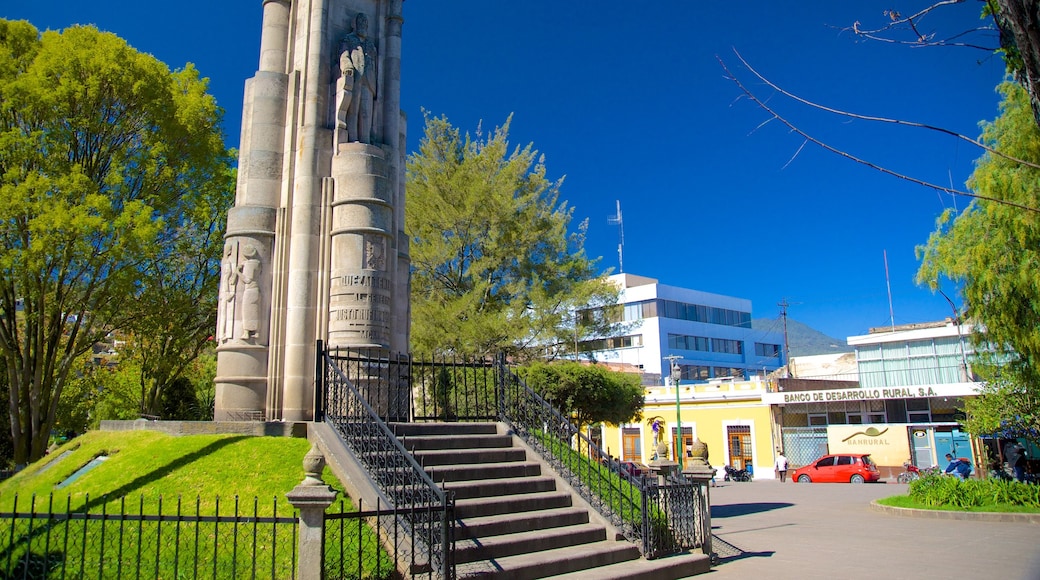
(359, 309)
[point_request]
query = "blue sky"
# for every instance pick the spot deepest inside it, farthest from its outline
(632, 105)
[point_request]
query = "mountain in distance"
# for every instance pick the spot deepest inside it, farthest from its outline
(802, 340)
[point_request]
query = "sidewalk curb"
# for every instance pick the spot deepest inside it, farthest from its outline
(949, 515)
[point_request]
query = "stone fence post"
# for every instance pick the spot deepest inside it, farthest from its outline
(311, 497)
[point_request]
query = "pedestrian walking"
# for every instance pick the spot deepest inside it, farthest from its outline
(781, 466)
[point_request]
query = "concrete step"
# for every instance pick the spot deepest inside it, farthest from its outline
(499, 487)
(500, 524)
(411, 429)
(453, 472)
(667, 568)
(534, 541)
(508, 504)
(432, 442)
(552, 562)
(469, 456)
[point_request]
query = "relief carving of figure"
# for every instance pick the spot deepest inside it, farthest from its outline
(249, 274)
(356, 87)
(375, 253)
(228, 284)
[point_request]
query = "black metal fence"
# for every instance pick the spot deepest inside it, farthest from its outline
(40, 540)
(369, 543)
(362, 390)
(154, 541)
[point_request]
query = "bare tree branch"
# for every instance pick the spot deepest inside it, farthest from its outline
(954, 134)
(897, 22)
(851, 157)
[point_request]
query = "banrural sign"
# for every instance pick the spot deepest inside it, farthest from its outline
(870, 394)
(887, 445)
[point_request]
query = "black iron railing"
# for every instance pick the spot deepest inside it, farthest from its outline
(664, 518)
(355, 542)
(362, 391)
(44, 540)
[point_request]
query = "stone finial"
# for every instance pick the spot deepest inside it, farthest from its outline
(313, 465)
(697, 453)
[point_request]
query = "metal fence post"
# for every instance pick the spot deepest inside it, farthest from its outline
(312, 497)
(500, 362)
(319, 383)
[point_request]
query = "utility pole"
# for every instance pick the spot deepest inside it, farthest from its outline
(960, 336)
(783, 304)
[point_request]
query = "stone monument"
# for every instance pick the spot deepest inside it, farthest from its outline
(315, 246)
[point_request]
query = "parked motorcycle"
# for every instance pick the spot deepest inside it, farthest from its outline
(912, 473)
(736, 474)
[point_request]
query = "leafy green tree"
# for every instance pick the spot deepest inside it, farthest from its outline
(97, 392)
(105, 157)
(589, 393)
(202, 372)
(178, 306)
(993, 249)
(494, 267)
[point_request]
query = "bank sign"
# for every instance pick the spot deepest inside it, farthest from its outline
(871, 394)
(887, 445)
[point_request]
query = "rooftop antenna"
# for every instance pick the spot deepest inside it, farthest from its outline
(621, 237)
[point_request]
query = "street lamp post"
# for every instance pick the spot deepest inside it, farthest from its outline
(676, 376)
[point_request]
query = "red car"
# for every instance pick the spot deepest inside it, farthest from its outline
(839, 468)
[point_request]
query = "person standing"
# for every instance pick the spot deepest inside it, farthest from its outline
(1015, 455)
(781, 466)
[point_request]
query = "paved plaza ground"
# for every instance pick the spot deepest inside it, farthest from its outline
(768, 529)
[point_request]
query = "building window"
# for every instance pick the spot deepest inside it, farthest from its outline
(739, 437)
(726, 372)
(727, 346)
(612, 343)
(695, 372)
(817, 418)
(768, 350)
(687, 441)
(595, 434)
(640, 310)
(691, 312)
(684, 342)
(631, 444)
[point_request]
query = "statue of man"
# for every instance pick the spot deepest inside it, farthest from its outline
(356, 92)
(228, 285)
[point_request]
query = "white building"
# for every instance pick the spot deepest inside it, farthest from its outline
(903, 402)
(710, 334)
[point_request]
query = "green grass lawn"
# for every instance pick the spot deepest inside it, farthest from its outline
(904, 501)
(147, 474)
(149, 465)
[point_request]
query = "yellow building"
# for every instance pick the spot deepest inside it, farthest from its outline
(727, 415)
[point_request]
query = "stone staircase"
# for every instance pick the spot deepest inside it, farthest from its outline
(516, 519)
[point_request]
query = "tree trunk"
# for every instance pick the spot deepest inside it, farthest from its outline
(1019, 24)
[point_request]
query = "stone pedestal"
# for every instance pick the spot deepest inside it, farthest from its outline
(363, 260)
(312, 497)
(663, 469)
